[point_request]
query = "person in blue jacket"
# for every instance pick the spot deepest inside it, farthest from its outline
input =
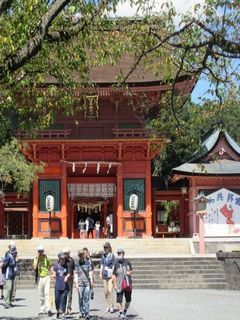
(10, 265)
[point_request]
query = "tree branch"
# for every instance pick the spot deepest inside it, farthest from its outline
(55, 36)
(226, 45)
(4, 5)
(32, 47)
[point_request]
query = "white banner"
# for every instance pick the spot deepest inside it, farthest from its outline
(223, 214)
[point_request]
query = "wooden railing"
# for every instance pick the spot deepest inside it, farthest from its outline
(131, 133)
(43, 134)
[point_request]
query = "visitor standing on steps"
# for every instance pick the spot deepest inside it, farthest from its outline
(81, 226)
(89, 226)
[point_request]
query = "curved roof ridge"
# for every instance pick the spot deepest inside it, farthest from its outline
(206, 146)
(232, 142)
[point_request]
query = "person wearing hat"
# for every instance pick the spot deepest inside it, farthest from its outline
(10, 266)
(61, 273)
(122, 282)
(12, 243)
(42, 266)
(71, 266)
(106, 269)
(83, 277)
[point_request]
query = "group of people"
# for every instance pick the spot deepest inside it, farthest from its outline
(115, 272)
(89, 225)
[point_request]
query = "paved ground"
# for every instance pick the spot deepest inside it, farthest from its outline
(150, 305)
(191, 304)
(26, 306)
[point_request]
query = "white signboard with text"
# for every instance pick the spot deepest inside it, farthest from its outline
(223, 214)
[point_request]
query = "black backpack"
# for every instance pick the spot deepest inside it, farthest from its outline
(4, 267)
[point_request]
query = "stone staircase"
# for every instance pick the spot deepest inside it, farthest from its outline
(179, 273)
(157, 273)
(164, 263)
(133, 247)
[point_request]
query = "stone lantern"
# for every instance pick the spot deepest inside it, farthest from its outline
(201, 202)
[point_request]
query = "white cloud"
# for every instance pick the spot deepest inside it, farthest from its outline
(124, 9)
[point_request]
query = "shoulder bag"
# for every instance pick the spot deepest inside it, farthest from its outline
(126, 286)
(91, 288)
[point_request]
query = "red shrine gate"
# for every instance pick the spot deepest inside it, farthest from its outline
(92, 178)
(104, 146)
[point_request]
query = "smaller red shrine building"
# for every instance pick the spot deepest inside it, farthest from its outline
(215, 171)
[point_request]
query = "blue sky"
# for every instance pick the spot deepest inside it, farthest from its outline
(126, 9)
(200, 91)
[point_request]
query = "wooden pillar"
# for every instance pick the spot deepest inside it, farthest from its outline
(105, 213)
(114, 206)
(29, 220)
(35, 209)
(71, 220)
(154, 212)
(193, 228)
(119, 201)
(64, 201)
(182, 214)
(1, 219)
(148, 199)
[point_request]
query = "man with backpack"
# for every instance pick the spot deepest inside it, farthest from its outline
(12, 243)
(9, 268)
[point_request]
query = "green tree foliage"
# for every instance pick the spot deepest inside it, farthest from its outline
(195, 121)
(57, 42)
(203, 44)
(15, 170)
(41, 42)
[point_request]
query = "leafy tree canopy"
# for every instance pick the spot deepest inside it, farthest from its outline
(194, 123)
(50, 41)
(59, 41)
(15, 170)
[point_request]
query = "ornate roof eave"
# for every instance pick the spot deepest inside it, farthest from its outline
(152, 147)
(108, 89)
(209, 144)
(95, 141)
(218, 169)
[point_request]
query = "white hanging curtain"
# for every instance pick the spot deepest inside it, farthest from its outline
(91, 190)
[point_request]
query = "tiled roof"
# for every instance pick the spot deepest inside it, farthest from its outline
(107, 74)
(220, 167)
(209, 143)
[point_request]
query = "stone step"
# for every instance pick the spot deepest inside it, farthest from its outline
(27, 248)
(160, 273)
(218, 286)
